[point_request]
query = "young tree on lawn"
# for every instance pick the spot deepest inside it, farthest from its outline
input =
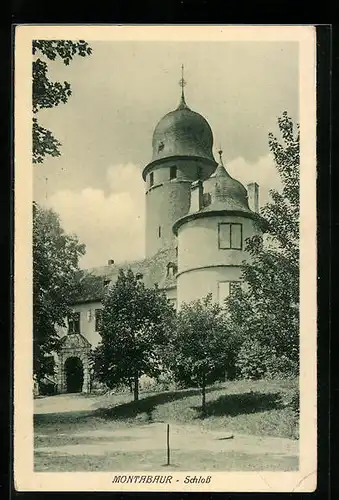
(47, 94)
(135, 327)
(201, 344)
(55, 277)
(266, 310)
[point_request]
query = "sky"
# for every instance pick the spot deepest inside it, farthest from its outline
(120, 92)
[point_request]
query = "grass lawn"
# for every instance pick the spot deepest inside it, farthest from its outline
(114, 433)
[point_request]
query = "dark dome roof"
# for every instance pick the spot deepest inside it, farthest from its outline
(182, 132)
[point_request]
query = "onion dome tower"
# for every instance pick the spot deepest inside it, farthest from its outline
(182, 153)
(211, 237)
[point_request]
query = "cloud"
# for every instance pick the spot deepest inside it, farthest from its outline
(111, 226)
(262, 171)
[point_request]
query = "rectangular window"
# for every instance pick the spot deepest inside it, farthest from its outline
(230, 235)
(151, 179)
(236, 236)
(223, 292)
(98, 319)
(159, 231)
(74, 323)
(173, 173)
(226, 289)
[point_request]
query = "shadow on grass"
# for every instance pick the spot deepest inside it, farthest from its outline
(69, 417)
(59, 440)
(123, 411)
(148, 405)
(238, 404)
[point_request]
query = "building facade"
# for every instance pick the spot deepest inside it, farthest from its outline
(197, 220)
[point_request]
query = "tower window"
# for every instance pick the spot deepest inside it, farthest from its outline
(151, 179)
(227, 289)
(172, 269)
(230, 236)
(173, 173)
(159, 231)
(206, 199)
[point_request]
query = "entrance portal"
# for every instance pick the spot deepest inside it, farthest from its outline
(74, 374)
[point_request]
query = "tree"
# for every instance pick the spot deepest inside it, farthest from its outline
(266, 310)
(55, 278)
(201, 344)
(47, 94)
(135, 327)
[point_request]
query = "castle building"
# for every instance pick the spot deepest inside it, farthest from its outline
(197, 220)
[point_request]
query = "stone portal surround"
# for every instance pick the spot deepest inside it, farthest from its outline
(74, 345)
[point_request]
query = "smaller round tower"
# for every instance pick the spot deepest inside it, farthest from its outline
(211, 238)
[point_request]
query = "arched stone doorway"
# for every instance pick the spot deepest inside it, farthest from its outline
(76, 348)
(74, 372)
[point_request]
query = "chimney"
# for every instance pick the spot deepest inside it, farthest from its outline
(253, 196)
(196, 196)
(110, 262)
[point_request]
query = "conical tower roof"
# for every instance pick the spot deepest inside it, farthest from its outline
(227, 193)
(228, 196)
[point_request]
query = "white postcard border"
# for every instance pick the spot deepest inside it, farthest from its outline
(25, 478)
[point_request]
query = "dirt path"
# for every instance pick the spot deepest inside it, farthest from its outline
(73, 442)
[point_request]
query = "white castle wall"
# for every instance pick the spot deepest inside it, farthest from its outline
(201, 263)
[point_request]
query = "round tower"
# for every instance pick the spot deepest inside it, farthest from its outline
(211, 238)
(182, 153)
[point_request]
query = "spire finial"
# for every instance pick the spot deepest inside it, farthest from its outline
(220, 152)
(182, 83)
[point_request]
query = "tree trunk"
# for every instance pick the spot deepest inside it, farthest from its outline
(203, 405)
(130, 383)
(136, 387)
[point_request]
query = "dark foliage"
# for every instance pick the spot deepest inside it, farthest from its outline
(136, 322)
(48, 94)
(55, 281)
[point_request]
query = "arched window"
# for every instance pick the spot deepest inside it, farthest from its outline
(172, 269)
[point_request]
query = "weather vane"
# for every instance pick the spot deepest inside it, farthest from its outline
(182, 81)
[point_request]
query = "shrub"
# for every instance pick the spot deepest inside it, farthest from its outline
(291, 399)
(281, 366)
(256, 360)
(252, 360)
